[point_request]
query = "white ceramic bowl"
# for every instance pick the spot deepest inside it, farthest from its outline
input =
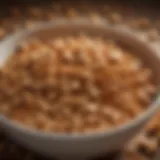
(81, 145)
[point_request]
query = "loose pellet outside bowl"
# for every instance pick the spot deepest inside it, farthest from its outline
(80, 145)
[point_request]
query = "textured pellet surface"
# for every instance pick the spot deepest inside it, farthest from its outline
(74, 84)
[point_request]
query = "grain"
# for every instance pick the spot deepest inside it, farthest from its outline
(74, 84)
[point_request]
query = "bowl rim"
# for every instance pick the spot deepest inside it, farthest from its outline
(154, 106)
